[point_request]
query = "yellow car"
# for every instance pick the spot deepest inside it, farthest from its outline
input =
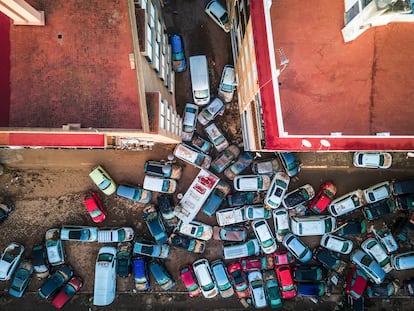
(102, 179)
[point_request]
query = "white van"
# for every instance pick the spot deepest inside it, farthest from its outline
(241, 250)
(105, 277)
(403, 261)
(199, 79)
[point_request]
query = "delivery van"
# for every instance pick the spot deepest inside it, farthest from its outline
(199, 79)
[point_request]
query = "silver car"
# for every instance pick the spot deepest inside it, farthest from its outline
(189, 122)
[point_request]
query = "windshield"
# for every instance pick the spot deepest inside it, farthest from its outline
(201, 94)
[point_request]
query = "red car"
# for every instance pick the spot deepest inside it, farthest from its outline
(284, 276)
(251, 264)
(323, 198)
(238, 279)
(283, 258)
(94, 206)
(67, 292)
(356, 282)
(189, 280)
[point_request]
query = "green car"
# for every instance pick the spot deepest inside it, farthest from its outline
(272, 289)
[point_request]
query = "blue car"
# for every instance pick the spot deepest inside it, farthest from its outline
(371, 268)
(141, 279)
(299, 249)
(216, 198)
(311, 289)
(178, 55)
(289, 162)
(161, 275)
(155, 225)
(62, 275)
(21, 279)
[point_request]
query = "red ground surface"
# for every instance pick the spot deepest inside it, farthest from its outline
(4, 70)
(84, 77)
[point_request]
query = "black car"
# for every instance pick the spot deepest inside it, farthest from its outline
(385, 289)
(402, 187)
(62, 275)
(39, 261)
(404, 227)
(378, 209)
(329, 260)
(408, 287)
(352, 227)
(404, 202)
(187, 243)
(309, 273)
(123, 258)
(6, 208)
(166, 207)
(244, 197)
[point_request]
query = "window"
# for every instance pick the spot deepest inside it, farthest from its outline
(163, 105)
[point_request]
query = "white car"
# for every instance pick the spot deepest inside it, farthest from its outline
(277, 190)
(218, 14)
(230, 216)
(159, 184)
(196, 229)
(105, 276)
(281, 223)
(372, 159)
(216, 137)
(377, 192)
(189, 122)
(312, 225)
(251, 182)
(256, 211)
(214, 108)
(9, 260)
(54, 247)
(79, 233)
(265, 236)
(257, 290)
(192, 156)
(227, 84)
(336, 243)
(298, 196)
(205, 278)
(375, 250)
(346, 203)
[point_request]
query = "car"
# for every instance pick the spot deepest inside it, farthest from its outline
(140, 273)
(402, 187)
(105, 276)
(281, 223)
(136, 194)
(379, 209)
(94, 206)
(356, 282)
(177, 52)
(408, 287)
(222, 279)
(283, 257)
(351, 227)
(151, 250)
(67, 292)
(158, 184)
(115, 235)
(205, 278)
(347, 203)
(386, 239)
(404, 202)
(265, 167)
(285, 279)
(216, 198)
(39, 261)
(187, 243)
(189, 279)
(161, 275)
(253, 263)
(403, 228)
(372, 159)
(227, 84)
(154, 224)
(323, 198)
(61, 276)
(242, 163)
(216, 137)
(299, 249)
(377, 192)
(201, 144)
(277, 190)
(79, 233)
(196, 229)
(230, 216)
(257, 290)
(329, 260)
(218, 14)
(123, 259)
(251, 182)
(189, 121)
(192, 156)
(6, 208)
(375, 250)
(257, 211)
(403, 261)
(238, 279)
(103, 180)
(265, 236)
(289, 162)
(166, 207)
(211, 111)
(371, 268)
(272, 289)
(54, 247)
(309, 273)
(336, 243)
(225, 158)
(244, 197)
(310, 289)
(298, 196)
(21, 279)
(312, 225)
(232, 234)
(386, 289)
(163, 169)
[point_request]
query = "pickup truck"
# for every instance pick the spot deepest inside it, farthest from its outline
(115, 235)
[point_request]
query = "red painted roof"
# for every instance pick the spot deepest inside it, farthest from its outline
(57, 140)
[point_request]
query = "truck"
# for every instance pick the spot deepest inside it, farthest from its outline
(115, 235)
